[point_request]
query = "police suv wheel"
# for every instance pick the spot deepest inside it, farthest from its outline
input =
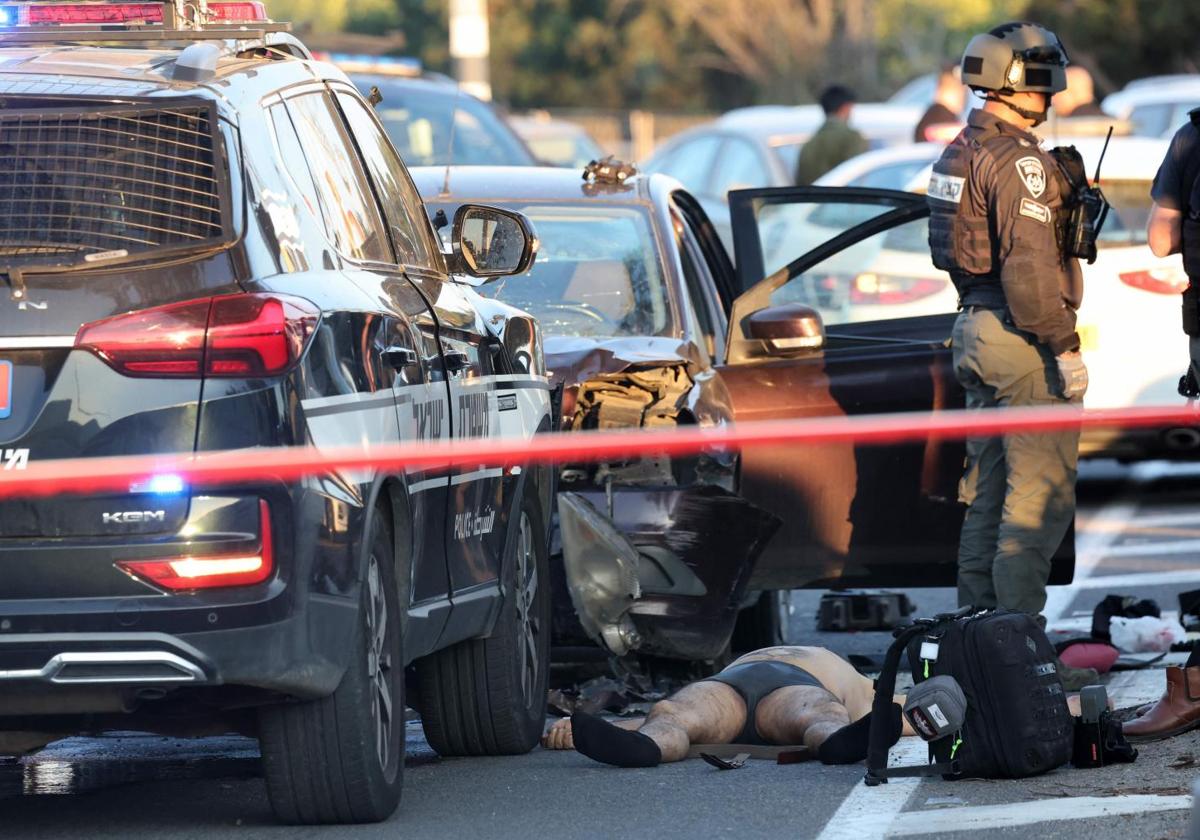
(488, 696)
(340, 759)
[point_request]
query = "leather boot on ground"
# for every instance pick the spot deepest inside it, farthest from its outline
(1073, 679)
(1176, 712)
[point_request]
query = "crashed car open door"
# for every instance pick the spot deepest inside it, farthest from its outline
(852, 318)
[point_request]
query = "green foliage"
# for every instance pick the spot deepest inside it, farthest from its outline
(918, 37)
(716, 54)
(373, 17)
(325, 15)
(1122, 40)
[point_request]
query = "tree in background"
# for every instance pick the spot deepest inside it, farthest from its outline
(371, 17)
(719, 54)
(1123, 40)
(920, 37)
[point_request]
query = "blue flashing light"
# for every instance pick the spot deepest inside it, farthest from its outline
(8, 15)
(167, 484)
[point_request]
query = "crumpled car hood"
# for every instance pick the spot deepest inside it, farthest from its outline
(572, 360)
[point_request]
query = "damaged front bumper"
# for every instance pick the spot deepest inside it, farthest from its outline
(660, 570)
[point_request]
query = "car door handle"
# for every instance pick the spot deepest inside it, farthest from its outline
(456, 360)
(400, 357)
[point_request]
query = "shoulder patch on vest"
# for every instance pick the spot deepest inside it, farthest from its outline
(1033, 175)
(1038, 212)
(946, 187)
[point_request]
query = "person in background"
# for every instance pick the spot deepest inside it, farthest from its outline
(1174, 228)
(1079, 98)
(942, 120)
(835, 141)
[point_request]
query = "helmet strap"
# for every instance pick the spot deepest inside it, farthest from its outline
(1038, 117)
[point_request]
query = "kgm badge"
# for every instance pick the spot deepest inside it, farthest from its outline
(6, 388)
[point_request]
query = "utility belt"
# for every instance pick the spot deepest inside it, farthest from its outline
(982, 290)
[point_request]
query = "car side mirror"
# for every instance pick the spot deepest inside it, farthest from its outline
(489, 242)
(788, 329)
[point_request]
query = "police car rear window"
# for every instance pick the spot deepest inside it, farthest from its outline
(113, 182)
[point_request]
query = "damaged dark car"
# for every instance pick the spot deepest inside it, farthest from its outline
(648, 324)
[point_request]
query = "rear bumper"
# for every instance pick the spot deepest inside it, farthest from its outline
(79, 636)
(302, 656)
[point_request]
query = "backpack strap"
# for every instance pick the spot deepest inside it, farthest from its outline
(940, 768)
(885, 692)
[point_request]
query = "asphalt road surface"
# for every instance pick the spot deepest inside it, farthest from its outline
(1139, 530)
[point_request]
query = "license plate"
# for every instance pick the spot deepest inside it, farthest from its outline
(6, 388)
(1089, 337)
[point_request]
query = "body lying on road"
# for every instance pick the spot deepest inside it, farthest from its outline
(801, 696)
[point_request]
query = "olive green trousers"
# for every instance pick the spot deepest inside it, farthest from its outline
(1019, 488)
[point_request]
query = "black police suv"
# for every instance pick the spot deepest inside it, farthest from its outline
(208, 243)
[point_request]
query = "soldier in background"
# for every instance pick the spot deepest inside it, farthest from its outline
(835, 141)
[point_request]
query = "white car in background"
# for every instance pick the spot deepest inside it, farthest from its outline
(1129, 323)
(1155, 107)
(759, 147)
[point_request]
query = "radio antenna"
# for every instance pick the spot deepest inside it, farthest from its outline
(453, 126)
(1103, 152)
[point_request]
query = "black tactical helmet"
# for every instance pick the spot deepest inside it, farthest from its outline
(1015, 58)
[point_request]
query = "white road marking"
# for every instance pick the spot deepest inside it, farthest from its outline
(1091, 547)
(1133, 688)
(977, 818)
(868, 812)
(1149, 548)
(1166, 520)
(1115, 582)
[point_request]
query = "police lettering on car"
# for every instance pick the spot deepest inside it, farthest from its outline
(995, 197)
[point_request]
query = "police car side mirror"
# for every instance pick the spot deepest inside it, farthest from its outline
(489, 242)
(787, 330)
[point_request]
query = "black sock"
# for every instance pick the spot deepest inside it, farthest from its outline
(600, 740)
(849, 744)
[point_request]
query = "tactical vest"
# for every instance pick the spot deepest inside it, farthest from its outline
(960, 236)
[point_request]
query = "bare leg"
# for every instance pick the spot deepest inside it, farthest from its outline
(800, 714)
(700, 713)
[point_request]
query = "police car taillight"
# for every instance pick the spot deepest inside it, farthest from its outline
(108, 14)
(239, 336)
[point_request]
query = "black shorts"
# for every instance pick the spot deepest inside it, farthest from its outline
(754, 681)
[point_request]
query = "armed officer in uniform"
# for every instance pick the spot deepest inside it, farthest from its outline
(1174, 228)
(995, 197)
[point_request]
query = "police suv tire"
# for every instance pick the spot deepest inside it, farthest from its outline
(764, 623)
(323, 758)
(477, 697)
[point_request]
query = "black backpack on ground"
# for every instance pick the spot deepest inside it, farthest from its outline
(1017, 722)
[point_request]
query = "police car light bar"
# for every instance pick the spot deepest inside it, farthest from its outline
(89, 14)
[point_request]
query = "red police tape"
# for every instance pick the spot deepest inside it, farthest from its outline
(121, 474)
